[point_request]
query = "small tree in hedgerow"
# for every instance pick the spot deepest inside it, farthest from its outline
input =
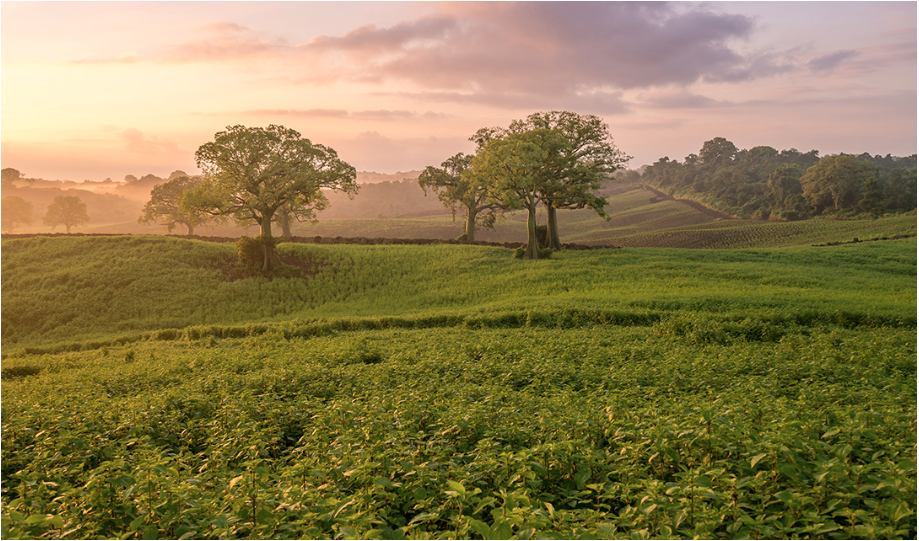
(457, 190)
(68, 210)
(16, 211)
(250, 173)
(163, 206)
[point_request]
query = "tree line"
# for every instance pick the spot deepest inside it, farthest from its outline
(764, 183)
(66, 210)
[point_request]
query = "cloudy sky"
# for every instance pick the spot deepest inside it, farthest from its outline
(96, 90)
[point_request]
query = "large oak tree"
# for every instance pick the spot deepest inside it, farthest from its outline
(590, 158)
(251, 173)
(517, 168)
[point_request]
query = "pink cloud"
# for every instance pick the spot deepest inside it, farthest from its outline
(135, 141)
(378, 114)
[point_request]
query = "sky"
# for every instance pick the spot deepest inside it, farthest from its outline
(96, 90)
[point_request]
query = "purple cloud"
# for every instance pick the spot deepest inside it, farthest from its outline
(830, 61)
(548, 48)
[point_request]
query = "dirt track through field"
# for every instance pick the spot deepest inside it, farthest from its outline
(698, 206)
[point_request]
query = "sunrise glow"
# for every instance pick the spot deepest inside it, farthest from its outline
(103, 90)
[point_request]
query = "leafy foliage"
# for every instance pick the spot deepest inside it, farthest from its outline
(454, 189)
(600, 431)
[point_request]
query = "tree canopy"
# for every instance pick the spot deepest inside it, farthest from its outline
(68, 210)
(763, 182)
(835, 181)
(454, 189)
(517, 168)
(16, 211)
(590, 158)
(251, 173)
(164, 205)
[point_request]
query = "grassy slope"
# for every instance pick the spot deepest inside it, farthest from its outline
(101, 286)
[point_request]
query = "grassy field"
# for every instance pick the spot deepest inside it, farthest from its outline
(102, 286)
(151, 390)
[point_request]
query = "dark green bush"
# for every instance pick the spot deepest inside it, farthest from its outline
(249, 251)
(542, 233)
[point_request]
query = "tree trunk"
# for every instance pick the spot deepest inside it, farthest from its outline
(532, 251)
(470, 224)
(284, 220)
(271, 259)
(68, 228)
(552, 240)
(191, 229)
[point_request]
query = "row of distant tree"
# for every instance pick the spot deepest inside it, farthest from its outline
(66, 210)
(763, 183)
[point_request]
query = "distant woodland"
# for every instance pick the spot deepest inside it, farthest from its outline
(764, 183)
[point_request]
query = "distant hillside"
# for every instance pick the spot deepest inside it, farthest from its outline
(364, 177)
(384, 199)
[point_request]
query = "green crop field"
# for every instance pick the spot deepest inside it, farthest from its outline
(152, 389)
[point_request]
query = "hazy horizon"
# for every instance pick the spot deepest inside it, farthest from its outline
(96, 90)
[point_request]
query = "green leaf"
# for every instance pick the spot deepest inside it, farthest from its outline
(383, 482)
(756, 459)
(481, 528)
(424, 517)
(788, 469)
(264, 516)
(458, 487)
(151, 532)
